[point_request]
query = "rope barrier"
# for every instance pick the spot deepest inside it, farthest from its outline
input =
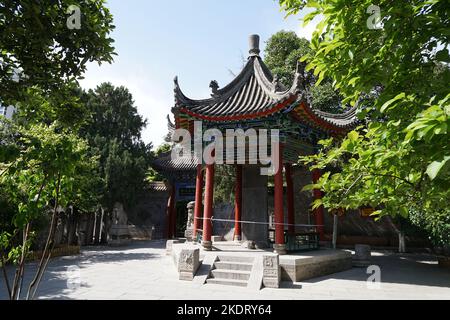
(261, 223)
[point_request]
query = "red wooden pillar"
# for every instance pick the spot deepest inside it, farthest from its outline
(238, 203)
(318, 213)
(170, 213)
(290, 198)
(279, 245)
(198, 199)
(208, 209)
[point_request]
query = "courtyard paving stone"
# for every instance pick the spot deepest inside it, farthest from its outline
(142, 271)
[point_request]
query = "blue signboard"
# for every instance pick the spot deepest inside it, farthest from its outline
(185, 191)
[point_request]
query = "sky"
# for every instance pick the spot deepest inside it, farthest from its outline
(196, 40)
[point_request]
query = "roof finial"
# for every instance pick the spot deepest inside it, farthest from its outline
(214, 85)
(254, 45)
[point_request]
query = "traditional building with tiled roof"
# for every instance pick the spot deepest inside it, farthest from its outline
(256, 94)
(255, 99)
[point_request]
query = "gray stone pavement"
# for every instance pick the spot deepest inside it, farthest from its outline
(142, 271)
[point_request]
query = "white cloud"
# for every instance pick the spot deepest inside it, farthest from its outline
(307, 31)
(295, 24)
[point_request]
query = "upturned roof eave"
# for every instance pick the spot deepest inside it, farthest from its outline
(254, 67)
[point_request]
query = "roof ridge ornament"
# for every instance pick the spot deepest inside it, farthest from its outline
(176, 85)
(214, 85)
(300, 80)
(277, 86)
(254, 45)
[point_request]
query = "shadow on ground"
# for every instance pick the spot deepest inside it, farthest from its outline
(413, 269)
(59, 284)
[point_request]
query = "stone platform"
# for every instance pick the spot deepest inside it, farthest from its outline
(313, 264)
(291, 267)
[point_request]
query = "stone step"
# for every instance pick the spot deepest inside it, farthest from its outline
(243, 266)
(236, 259)
(228, 243)
(230, 274)
(227, 282)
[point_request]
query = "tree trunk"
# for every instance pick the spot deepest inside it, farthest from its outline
(90, 229)
(46, 254)
(401, 242)
(401, 237)
(104, 229)
(72, 227)
(98, 224)
(335, 230)
(82, 228)
(5, 276)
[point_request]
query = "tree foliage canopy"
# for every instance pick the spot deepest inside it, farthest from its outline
(44, 163)
(399, 163)
(113, 130)
(282, 54)
(38, 48)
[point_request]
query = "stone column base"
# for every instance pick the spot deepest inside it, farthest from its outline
(207, 245)
(280, 249)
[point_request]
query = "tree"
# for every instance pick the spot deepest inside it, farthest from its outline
(399, 162)
(37, 182)
(153, 175)
(42, 158)
(39, 46)
(224, 183)
(282, 54)
(163, 148)
(113, 131)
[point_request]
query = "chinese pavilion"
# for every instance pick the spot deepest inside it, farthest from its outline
(256, 99)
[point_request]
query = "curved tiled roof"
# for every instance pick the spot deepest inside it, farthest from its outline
(334, 122)
(165, 163)
(342, 120)
(255, 93)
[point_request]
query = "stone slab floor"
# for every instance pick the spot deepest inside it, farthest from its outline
(143, 271)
